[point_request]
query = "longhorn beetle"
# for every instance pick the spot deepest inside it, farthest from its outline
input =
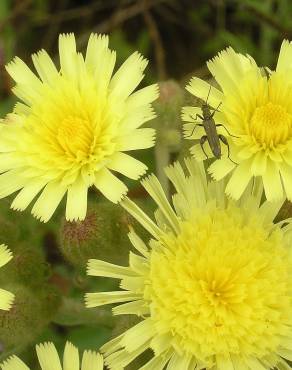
(211, 134)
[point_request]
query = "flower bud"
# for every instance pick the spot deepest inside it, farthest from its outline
(168, 122)
(30, 313)
(102, 235)
(27, 267)
(8, 232)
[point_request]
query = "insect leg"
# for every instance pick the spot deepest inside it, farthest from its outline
(202, 142)
(225, 142)
(221, 125)
(198, 115)
(198, 124)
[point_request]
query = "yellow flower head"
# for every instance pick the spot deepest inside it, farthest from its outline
(49, 359)
(73, 127)
(256, 109)
(214, 286)
(6, 298)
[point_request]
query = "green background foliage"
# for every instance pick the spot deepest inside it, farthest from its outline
(48, 272)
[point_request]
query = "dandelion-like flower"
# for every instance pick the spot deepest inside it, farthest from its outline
(6, 298)
(73, 126)
(49, 359)
(213, 288)
(256, 109)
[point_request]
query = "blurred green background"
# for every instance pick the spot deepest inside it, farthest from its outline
(47, 273)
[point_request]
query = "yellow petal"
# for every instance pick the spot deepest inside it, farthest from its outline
(198, 153)
(10, 182)
(136, 118)
(6, 300)
(285, 57)
(141, 217)
(259, 164)
(100, 61)
(103, 298)
(110, 186)
(22, 74)
(13, 363)
(92, 361)
(137, 308)
(190, 114)
(27, 194)
(201, 89)
(76, 205)
(220, 168)
(141, 138)
(138, 335)
(127, 165)
(71, 357)
(68, 55)
(272, 182)
(155, 190)
(239, 180)
(48, 201)
(157, 363)
(255, 364)
(96, 47)
(48, 357)
(224, 363)
(45, 67)
(179, 362)
(128, 76)
(286, 176)
(101, 268)
(5, 255)
(138, 243)
(143, 96)
(228, 67)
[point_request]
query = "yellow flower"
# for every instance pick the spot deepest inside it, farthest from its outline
(6, 298)
(49, 359)
(73, 127)
(213, 288)
(256, 108)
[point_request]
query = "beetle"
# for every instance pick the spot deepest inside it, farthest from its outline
(210, 127)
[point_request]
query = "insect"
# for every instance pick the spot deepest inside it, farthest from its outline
(211, 135)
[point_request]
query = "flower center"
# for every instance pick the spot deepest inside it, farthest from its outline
(75, 137)
(270, 125)
(215, 292)
(221, 287)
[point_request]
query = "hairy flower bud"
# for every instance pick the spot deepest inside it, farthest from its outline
(103, 234)
(28, 266)
(30, 313)
(8, 232)
(168, 108)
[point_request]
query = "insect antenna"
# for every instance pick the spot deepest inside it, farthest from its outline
(216, 110)
(208, 94)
